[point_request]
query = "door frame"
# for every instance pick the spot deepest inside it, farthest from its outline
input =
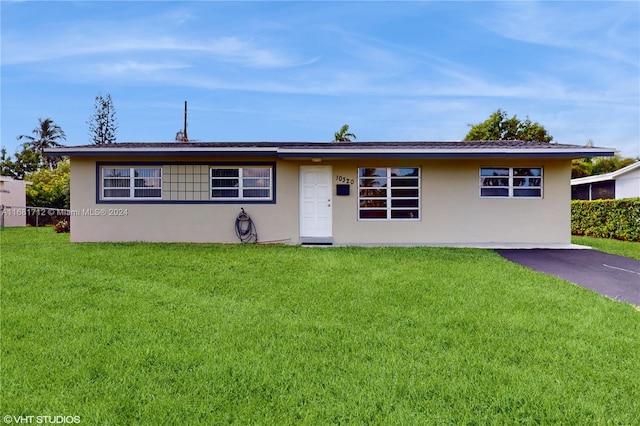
(316, 239)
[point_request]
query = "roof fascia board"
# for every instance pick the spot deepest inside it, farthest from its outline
(591, 179)
(443, 154)
(625, 170)
(457, 154)
(159, 152)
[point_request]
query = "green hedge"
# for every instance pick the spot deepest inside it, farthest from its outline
(619, 219)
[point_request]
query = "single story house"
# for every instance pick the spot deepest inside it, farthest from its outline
(623, 183)
(13, 202)
(485, 193)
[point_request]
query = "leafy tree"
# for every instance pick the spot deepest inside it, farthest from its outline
(26, 161)
(7, 166)
(103, 123)
(50, 187)
(343, 135)
(581, 168)
(498, 127)
(47, 134)
(602, 165)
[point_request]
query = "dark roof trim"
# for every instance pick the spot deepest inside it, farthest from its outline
(155, 153)
(456, 154)
(511, 154)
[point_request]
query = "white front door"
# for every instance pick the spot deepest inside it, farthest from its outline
(315, 204)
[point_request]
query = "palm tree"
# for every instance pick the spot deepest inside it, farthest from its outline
(47, 134)
(343, 135)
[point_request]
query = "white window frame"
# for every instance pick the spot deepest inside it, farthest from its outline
(389, 198)
(241, 183)
(132, 182)
(512, 187)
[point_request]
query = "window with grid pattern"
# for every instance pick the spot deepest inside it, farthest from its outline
(386, 193)
(511, 182)
(240, 183)
(131, 183)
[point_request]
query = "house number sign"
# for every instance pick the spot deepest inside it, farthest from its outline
(344, 179)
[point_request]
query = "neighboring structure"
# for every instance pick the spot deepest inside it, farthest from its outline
(511, 193)
(623, 183)
(13, 202)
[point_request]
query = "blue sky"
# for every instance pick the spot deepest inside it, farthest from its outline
(297, 71)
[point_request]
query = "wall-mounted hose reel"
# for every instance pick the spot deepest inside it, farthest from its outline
(245, 229)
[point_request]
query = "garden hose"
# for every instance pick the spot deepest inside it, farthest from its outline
(245, 229)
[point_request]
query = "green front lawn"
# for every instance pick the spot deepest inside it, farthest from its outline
(275, 335)
(609, 245)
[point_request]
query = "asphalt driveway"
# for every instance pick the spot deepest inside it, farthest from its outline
(614, 276)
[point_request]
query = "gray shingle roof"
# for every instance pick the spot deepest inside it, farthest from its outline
(338, 149)
(336, 145)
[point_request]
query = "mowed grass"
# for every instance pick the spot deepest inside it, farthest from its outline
(278, 335)
(609, 245)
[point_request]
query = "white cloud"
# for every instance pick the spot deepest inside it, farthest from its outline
(226, 49)
(569, 72)
(125, 67)
(604, 29)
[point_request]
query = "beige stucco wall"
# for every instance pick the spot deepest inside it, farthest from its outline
(452, 211)
(14, 199)
(179, 222)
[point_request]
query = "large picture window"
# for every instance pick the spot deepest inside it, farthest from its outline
(389, 193)
(511, 182)
(125, 183)
(240, 183)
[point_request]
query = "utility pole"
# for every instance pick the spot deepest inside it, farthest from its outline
(186, 138)
(181, 136)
